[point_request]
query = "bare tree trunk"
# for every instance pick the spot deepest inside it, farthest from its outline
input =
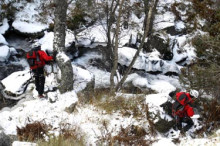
(115, 59)
(64, 63)
(146, 31)
(110, 12)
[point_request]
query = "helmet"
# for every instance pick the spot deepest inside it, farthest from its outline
(194, 93)
(36, 45)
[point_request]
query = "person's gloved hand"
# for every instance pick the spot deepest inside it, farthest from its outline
(54, 55)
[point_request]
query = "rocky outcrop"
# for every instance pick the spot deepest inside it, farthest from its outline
(6, 70)
(4, 139)
(149, 62)
(162, 46)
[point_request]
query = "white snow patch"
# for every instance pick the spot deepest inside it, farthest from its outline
(179, 25)
(161, 86)
(95, 33)
(28, 27)
(2, 40)
(19, 143)
(164, 142)
(47, 41)
(37, 110)
(4, 27)
(156, 99)
(81, 78)
(4, 53)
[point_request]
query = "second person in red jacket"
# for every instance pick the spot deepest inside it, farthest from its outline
(183, 116)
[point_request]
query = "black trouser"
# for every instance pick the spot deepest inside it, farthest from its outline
(186, 120)
(39, 79)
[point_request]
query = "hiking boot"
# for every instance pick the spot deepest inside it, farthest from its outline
(41, 96)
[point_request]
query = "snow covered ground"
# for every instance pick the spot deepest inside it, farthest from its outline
(88, 119)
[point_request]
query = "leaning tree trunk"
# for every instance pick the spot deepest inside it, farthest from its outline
(115, 57)
(64, 63)
(146, 31)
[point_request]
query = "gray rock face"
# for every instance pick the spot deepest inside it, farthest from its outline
(4, 139)
(156, 42)
(7, 70)
(173, 31)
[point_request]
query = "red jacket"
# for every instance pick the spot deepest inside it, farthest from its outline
(184, 99)
(43, 57)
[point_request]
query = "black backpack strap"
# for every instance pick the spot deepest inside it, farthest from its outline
(37, 56)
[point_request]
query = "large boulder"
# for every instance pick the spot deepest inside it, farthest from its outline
(159, 43)
(22, 79)
(29, 29)
(172, 30)
(5, 53)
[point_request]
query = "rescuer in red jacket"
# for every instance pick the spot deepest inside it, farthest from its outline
(185, 111)
(37, 67)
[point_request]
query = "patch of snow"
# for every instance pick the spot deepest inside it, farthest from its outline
(179, 25)
(164, 21)
(161, 86)
(157, 99)
(4, 27)
(164, 141)
(47, 41)
(201, 141)
(2, 40)
(63, 57)
(95, 33)
(41, 110)
(28, 27)
(19, 143)
(4, 53)
(13, 51)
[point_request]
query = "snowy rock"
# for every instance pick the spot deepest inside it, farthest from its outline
(4, 139)
(175, 30)
(19, 143)
(5, 53)
(29, 29)
(4, 27)
(159, 43)
(22, 79)
(164, 20)
(170, 68)
(149, 62)
(2, 40)
(83, 79)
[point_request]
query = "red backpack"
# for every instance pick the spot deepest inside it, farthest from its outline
(33, 58)
(179, 105)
